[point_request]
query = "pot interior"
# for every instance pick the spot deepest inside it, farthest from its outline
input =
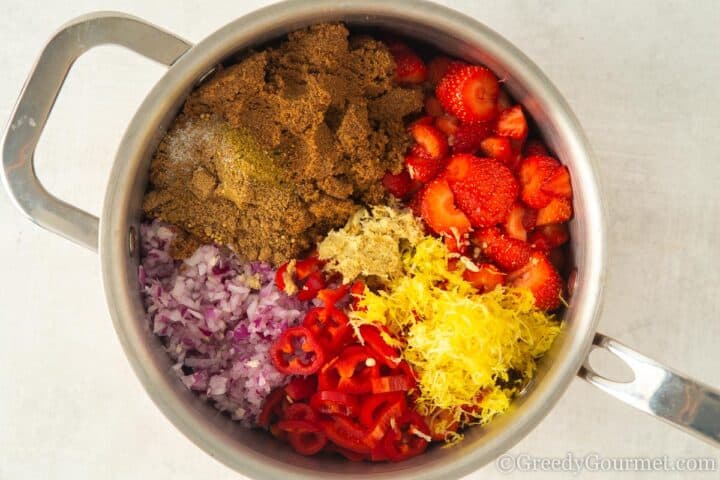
(256, 453)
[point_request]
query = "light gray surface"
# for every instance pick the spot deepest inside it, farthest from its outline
(641, 78)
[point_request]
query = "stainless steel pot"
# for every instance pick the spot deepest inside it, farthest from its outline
(655, 389)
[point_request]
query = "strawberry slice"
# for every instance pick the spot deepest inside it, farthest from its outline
(439, 211)
(558, 184)
(409, 68)
(511, 123)
(498, 148)
(469, 136)
(541, 278)
(484, 188)
(535, 147)
(430, 139)
(558, 210)
(400, 185)
(447, 124)
(457, 245)
(469, 92)
(507, 253)
(485, 277)
(422, 168)
(547, 237)
(437, 68)
(433, 107)
(519, 221)
(534, 172)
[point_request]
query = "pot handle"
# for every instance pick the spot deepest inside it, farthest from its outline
(660, 391)
(36, 101)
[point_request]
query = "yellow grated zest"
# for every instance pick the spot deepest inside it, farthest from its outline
(463, 345)
(371, 243)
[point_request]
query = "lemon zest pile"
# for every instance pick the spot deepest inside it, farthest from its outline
(462, 345)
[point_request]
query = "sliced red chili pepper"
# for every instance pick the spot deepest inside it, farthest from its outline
(306, 266)
(373, 337)
(345, 433)
(271, 407)
(329, 326)
(307, 443)
(300, 411)
(330, 297)
(313, 284)
(335, 403)
(277, 433)
(357, 291)
(409, 439)
(280, 277)
(297, 426)
(350, 372)
(373, 404)
(391, 383)
(385, 418)
(297, 352)
(301, 388)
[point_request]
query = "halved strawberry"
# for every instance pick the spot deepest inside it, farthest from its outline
(511, 123)
(558, 210)
(534, 172)
(534, 147)
(399, 185)
(433, 107)
(540, 277)
(469, 136)
(437, 68)
(507, 253)
(547, 237)
(439, 211)
(485, 277)
(457, 245)
(430, 139)
(409, 68)
(447, 124)
(469, 92)
(421, 167)
(498, 148)
(484, 188)
(520, 219)
(558, 184)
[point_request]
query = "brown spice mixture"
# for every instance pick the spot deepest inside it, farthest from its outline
(271, 153)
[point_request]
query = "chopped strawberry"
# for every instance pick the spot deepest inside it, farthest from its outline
(535, 147)
(541, 278)
(469, 136)
(421, 167)
(558, 184)
(558, 258)
(503, 101)
(469, 92)
(519, 221)
(507, 253)
(498, 148)
(416, 202)
(430, 139)
(534, 172)
(400, 185)
(409, 68)
(512, 124)
(485, 278)
(433, 107)
(437, 68)
(457, 245)
(439, 211)
(484, 188)
(547, 237)
(447, 124)
(558, 210)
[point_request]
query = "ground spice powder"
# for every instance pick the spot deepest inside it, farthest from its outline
(271, 153)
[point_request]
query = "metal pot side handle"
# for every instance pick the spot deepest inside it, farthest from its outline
(660, 391)
(36, 101)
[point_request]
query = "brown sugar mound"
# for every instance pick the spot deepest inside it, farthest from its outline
(271, 153)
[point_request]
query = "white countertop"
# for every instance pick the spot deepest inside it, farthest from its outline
(642, 76)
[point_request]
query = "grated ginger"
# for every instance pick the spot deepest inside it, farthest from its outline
(466, 348)
(371, 243)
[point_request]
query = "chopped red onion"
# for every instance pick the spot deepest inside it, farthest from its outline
(217, 318)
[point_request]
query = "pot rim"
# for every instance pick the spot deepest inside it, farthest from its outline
(160, 106)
